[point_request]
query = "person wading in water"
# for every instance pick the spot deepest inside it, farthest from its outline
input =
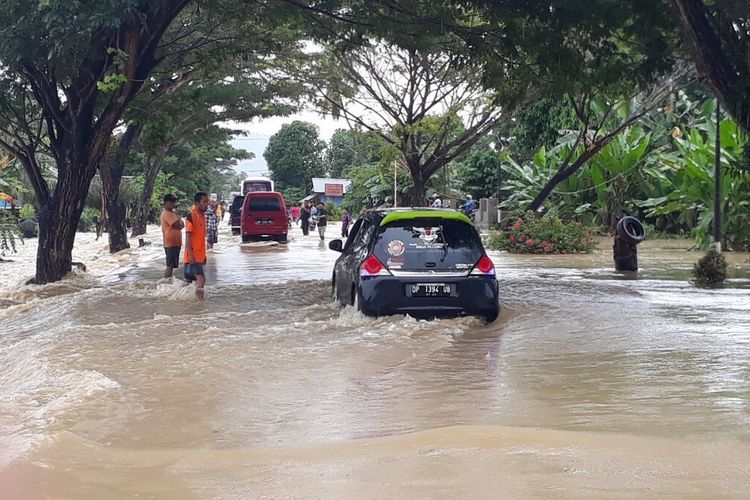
(304, 218)
(212, 225)
(346, 219)
(171, 228)
(321, 216)
(195, 244)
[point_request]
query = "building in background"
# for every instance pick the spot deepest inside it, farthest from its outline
(325, 189)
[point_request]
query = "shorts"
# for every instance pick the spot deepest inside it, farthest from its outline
(193, 270)
(213, 237)
(173, 256)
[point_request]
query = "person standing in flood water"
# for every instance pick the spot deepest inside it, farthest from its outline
(212, 224)
(195, 244)
(346, 219)
(304, 218)
(322, 218)
(171, 228)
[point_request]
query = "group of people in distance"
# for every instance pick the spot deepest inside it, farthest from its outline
(201, 227)
(311, 216)
(202, 231)
(467, 207)
(201, 234)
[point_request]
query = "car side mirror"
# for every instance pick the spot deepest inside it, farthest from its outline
(336, 245)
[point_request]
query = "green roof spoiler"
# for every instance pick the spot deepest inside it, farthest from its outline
(424, 214)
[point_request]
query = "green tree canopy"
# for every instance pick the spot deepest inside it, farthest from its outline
(69, 72)
(343, 153)
(539, 125)
(481, 174)
(428, 105)
(295, 155)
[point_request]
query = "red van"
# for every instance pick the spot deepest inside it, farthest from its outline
(264, 216)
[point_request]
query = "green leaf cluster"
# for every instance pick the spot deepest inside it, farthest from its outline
(9, 232)
(295, 155)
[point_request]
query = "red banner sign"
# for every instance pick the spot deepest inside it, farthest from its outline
(334, 190)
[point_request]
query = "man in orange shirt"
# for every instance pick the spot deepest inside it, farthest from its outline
(195, 244)
(171, 228)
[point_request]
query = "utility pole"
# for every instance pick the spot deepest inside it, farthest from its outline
(717, 181)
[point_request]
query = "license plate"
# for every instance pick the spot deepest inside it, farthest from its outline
(263, 221)
(431, 290)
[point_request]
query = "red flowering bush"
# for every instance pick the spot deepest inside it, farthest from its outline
(543, 234)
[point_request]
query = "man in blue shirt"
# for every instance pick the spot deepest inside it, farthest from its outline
(469, 205)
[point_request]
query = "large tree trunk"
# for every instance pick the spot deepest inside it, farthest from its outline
(151, 170)
(111, 170)
(719, 55)
(58, 221)
(419, 188)
(115, 211)
(79, 119)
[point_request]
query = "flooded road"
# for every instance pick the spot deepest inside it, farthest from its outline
(591, 384)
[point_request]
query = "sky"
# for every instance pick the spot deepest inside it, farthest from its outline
(258, 133)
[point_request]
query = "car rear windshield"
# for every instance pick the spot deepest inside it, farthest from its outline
(424, 244)
(263, 204)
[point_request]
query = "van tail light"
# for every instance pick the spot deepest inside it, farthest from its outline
(484, 267)
(372, 267)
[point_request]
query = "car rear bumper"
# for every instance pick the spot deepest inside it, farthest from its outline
(264, 231)
(474, 295)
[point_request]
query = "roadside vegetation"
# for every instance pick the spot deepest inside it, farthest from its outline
(578, 111)
(543, 234)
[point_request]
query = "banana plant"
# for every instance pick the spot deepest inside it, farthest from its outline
(615, 172)
(688, 173)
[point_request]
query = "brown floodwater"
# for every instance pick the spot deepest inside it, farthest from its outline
(592, 384)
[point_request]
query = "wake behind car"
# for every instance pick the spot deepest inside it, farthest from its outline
(264, 216)
(424, 262)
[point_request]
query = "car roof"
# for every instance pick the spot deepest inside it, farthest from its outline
(268, 194)
(399, 214)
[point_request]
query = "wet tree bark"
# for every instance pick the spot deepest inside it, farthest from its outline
(111, 170)
(419, 182)
(714, 35)
(151, 170)
(58, 221)
(78, 120)
(556, 179)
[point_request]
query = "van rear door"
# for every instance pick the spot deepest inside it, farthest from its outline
(266, 211)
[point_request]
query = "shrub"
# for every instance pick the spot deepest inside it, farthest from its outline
(334, 212)
(542, 235)
(88, 220)
(711, 270)
(27, 211)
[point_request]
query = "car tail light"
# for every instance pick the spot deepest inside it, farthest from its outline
(484, 267)
(373, 267)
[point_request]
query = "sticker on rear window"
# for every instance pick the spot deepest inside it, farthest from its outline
(396, 248)
(428, 234)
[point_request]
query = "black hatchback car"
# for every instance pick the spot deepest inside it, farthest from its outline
(422, 262)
